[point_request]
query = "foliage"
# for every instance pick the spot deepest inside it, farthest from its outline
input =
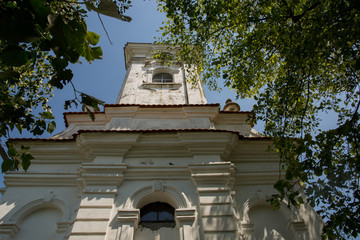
(297, 59)
(38, 40)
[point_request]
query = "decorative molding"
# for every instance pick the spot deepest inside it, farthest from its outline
(129, 216)
(102, 174)
(62, 226)
(209, 143)
(212, 177)
(106, 143)
(256, 177)
(247, 227)
(9, 229)
(298, 225)
(158, 186)
(183, 215)
(155, 86)
(178, 197)
(49, 200)
(2, 190)
(40, 179)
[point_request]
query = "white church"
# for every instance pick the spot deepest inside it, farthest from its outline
(160, 164)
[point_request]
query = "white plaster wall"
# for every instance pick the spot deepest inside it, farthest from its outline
(269, 224)
(138, 87)
(130, 86)
(161, 234)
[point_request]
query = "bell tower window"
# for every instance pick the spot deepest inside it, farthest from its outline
(162, 78)
(157, 215)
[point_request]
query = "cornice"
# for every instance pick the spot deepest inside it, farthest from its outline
(102, 174)
(259, 177)
(49, 179)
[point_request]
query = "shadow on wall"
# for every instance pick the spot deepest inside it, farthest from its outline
(269, 224)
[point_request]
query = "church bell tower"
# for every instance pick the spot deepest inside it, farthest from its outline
(150, 81)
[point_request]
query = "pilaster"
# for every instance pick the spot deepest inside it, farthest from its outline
(214, 182)
(299, 229)
(128, 220)
(100, 183)
(184, 220)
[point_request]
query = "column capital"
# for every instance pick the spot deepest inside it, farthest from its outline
(184, 215)
(129, 216)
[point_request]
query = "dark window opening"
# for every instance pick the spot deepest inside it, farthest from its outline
(162, 78)
(156, 215)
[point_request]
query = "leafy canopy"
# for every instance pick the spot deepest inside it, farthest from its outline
(297, 59)
(38, 40)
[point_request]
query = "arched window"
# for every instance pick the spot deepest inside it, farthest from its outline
(162, 78)
(156, 215)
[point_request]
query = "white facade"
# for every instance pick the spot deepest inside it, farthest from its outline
(161, 142)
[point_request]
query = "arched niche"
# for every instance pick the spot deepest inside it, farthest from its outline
(261, 201)
(55, 210)
(45, 202)
(260, 221)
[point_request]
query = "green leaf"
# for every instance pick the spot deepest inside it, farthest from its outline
(12, 152)
(19, 128)
(97, 52)
(47, 115)
(25, 148)
(91, 114)
(289, 175)
(51, 127)
(92, 38)
(8, 74)
(59, 63)
(75, 35)
(26, 160)
(61, 78)
(41, 8)
(14, 56)
(92, 53)
(7, 165)
(88, 100)
(11, 4)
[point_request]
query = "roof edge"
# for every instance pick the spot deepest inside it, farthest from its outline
(241, 137)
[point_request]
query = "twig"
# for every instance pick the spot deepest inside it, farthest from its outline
(74, 89)
(107, 34)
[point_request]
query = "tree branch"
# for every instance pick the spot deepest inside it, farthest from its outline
(3, 154)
